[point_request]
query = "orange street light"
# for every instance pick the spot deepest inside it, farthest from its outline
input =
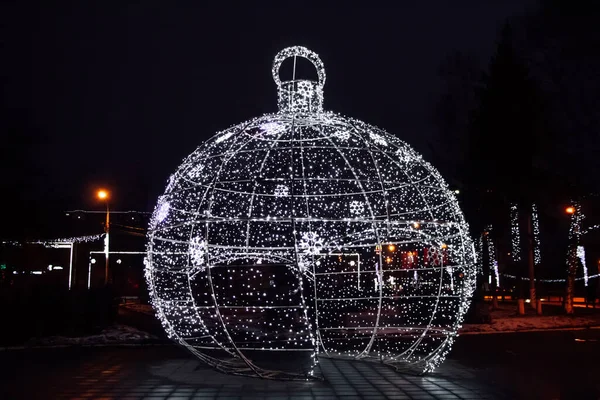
(104, 195)
(570, 210)
(392, 247)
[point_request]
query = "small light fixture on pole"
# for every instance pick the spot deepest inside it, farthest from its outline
(104, 195)
(570, 210)
(574, 233)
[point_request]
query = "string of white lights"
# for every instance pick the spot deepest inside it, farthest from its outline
(591, 228)
(515, 236)
(11, 243)
(581, 249)
(479, 254)
(52, 242)
(493, 262)
(550, 280)
(535, 222)
(581, 257)
(76, 239)
(577, 217)
(303, 233)
(575, 233)
(62, 243)
(67, 213)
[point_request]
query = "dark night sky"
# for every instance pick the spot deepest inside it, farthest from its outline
(116, 96)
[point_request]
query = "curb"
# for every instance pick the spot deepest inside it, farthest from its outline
(60, 346)
(580, 328)
(169, 343)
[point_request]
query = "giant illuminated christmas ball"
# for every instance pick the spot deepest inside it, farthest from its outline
(304, 233)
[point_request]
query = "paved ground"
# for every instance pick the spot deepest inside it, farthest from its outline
(556, 365)
(536, 365)
(162, 372)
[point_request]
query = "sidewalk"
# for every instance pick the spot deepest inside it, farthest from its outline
(542, 365)
(172, 373)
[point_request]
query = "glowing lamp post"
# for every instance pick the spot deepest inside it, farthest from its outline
(103, 195)
(570, 210)
(574, 233)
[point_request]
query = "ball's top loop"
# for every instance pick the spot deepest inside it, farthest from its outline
(298, 51)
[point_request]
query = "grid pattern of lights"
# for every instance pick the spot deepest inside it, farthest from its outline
(303, 233)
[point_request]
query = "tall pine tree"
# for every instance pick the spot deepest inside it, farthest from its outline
(504, 139)
(505, 144)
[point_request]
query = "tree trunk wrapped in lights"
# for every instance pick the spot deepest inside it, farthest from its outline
(572, 257)
(305, 233)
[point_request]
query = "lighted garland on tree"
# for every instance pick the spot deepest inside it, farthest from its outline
(479, 254)
(535, 223)
(305, 233)
(493, 262)
(515, 238)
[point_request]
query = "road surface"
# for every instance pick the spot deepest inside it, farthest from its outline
(548, 365)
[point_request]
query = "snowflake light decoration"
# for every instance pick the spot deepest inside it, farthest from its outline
(377, 138)
(311, 243)
(160, 212)
(282, 191)
(356, 207)
(272, 128)
(198, 252)
(342, 135)
(196, 171)
(305, 233)
(163, 211)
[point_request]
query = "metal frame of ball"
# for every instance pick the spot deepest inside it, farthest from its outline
(299, 113)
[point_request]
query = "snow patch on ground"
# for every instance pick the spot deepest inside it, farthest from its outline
(117, 334)
(141, 308)
(506, 319)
